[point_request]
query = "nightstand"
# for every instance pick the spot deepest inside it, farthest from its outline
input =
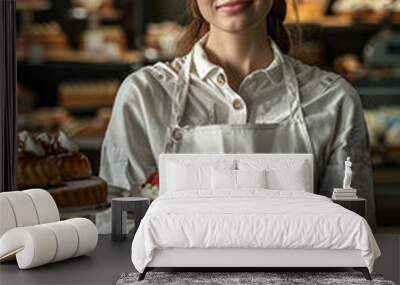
(358, 205)
(119, 209)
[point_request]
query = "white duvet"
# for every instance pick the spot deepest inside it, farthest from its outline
(253, 218)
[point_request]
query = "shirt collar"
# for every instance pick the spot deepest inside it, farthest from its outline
(204, 67)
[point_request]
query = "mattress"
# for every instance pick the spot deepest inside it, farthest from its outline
(250, 219)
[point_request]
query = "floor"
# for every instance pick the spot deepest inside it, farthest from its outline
(103, 266)
(389, 262)
(110, 260)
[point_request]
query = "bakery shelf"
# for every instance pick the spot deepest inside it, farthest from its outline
(73, 56)
(325, 21)
(387, 172)
(380, 91)
(332, 28)
(54, 72)
(342, 21)
(387, 176)
(389, 155)
(37, 5)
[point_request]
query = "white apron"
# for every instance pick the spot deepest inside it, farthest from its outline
(288, 136)
(332, 109)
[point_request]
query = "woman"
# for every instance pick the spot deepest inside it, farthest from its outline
(234, 89)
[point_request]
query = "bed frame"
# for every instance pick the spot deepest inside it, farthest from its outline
(249, 259)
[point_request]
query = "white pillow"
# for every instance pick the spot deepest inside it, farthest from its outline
(291, 175)
(251, 178)
(183, 178)
(225, 179)
(193, 175)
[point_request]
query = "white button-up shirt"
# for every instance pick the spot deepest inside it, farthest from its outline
(142, 112)
(231, 107)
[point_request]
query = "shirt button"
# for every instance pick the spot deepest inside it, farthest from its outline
(177, 134)
(160, 76)
(221, 79)
(237, 104)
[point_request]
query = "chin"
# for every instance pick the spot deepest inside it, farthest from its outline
(237, 25)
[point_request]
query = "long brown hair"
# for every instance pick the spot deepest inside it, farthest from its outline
(277, 30)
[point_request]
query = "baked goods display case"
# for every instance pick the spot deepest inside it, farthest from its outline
(73, 55)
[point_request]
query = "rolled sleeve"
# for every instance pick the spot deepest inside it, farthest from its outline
(114, 167)
(127, 158)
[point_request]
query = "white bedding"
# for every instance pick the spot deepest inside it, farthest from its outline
(252, 218)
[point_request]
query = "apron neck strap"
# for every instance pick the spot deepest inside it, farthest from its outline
(181, 91)
(290, 80)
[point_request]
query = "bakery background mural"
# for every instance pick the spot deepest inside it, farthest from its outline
(86, 48)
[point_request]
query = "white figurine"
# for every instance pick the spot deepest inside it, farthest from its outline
(347, 174)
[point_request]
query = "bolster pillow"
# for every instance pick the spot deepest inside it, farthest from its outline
(26, 208)
(40, 244)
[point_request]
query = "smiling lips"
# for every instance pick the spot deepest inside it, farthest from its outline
(234, 6)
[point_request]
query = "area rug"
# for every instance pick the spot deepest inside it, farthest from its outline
(244, 278)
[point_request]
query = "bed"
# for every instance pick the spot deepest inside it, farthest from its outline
(247, 211)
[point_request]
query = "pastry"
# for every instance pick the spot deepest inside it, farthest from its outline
(82, 95)
(349, 66)
(74, 166)
(80, 193)
(38, 172)
(49, 159)
(376, 127)
(34, 168)
(71, 163)
(49, 36)
(308, 11)
(395, 11)
(49, 143)
(53, 162)
(364, 10)
(383, 126)
(392, 137)
(163, 37)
